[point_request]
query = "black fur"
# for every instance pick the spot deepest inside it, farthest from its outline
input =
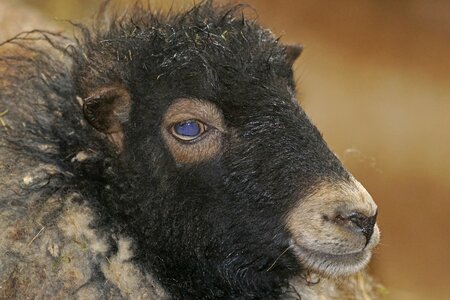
(210, 230)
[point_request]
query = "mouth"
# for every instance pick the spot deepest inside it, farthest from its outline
(331, 265)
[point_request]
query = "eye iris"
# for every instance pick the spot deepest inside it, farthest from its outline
(188, 129)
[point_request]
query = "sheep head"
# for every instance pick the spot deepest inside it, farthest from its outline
(226, 186)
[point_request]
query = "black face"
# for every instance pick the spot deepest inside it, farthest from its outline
(207, 201)
(226, 214)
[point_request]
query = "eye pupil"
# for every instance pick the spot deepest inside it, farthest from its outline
(188, 129)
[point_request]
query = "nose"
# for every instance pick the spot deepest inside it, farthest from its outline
(358, 222)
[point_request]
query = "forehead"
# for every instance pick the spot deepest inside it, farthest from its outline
(234, 75)
(207, 54)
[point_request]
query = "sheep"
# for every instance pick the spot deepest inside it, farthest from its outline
(165, 156)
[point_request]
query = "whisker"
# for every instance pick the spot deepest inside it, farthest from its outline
(282, 253)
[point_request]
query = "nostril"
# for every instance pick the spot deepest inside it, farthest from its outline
(359, 220)
(362, 222)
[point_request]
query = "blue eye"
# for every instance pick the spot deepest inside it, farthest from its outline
(188, 130)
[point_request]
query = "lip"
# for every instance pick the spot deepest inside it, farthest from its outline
(331, 265)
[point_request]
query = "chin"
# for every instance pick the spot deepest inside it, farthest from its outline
(332, 265)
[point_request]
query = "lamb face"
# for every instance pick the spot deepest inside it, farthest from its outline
(225, 185)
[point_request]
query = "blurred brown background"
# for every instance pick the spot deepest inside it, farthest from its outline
(375, 78)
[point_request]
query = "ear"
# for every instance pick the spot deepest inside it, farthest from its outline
(106, 109)
(293, 52)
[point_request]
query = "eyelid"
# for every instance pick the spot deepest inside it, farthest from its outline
(192, 109)
(205, 146)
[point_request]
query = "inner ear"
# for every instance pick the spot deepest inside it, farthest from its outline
(106, 109)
